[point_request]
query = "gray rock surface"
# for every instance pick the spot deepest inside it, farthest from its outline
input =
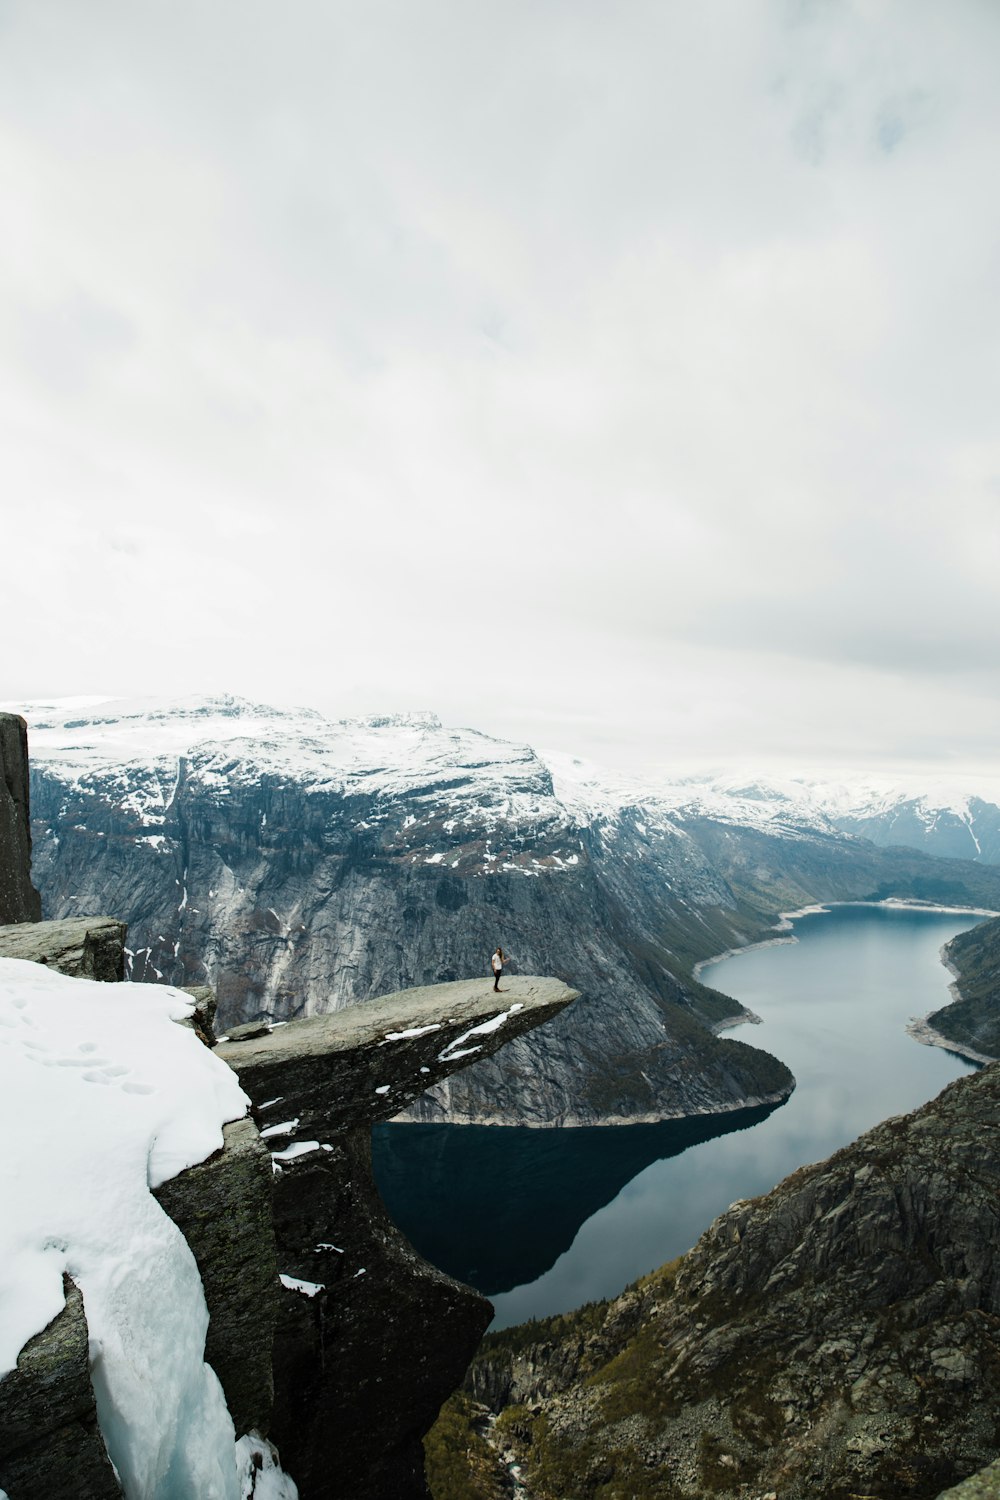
(358, 1066)
(982, 1486)
(223, 1209)
(836, 1337)
(19, 901)
(202, 1019)
(83, 947)
(50, 1445)
(370, 1338)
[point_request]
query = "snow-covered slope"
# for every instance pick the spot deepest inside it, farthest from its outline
(105, 1098)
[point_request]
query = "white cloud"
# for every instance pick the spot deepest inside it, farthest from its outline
(580, 371)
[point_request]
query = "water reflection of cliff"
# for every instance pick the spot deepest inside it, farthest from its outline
(496, 1206)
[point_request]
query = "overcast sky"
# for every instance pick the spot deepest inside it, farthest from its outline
(622, 376)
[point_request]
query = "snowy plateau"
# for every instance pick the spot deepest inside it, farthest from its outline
(108, 1098)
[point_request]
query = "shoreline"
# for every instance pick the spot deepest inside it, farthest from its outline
(783, 925)
(602, 1122)
(920, 1029)
(786, 918)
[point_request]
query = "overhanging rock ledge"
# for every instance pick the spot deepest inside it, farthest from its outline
(370, 1338)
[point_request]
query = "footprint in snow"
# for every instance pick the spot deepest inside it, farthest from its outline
(98, 1070)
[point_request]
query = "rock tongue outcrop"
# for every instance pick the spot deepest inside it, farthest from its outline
(357, 1066)
(19, 901)
(347, 1359)
(838, 1336)
(370, 1339)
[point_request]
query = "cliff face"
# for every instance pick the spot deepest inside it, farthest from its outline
(836, 1337)
(326, 1330)
(50, 1444)
(311, 873)
(19, 901)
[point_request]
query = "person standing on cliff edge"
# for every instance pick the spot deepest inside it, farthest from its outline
(497, 962)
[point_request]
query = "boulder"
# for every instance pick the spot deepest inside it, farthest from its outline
(83, 947)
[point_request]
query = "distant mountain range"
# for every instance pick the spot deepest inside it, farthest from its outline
(955, 817)
(302, 864)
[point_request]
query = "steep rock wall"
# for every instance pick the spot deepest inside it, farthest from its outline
(19, 901)
(50, 1445)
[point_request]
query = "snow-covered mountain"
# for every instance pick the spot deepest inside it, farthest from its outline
(487, 778)
(956, 817)
(302, 864)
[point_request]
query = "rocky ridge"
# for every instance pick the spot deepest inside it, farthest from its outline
(837, 1336)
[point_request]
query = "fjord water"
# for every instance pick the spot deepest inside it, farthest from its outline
(544, 1220)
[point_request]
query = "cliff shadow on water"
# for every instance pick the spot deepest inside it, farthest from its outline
(496, 1206)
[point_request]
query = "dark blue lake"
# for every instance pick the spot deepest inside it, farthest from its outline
(544, 1220)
